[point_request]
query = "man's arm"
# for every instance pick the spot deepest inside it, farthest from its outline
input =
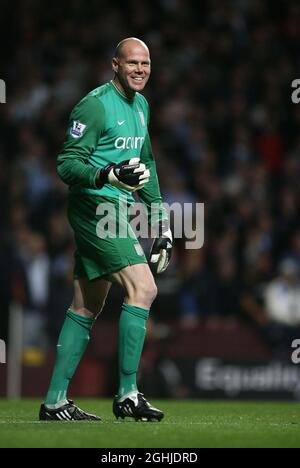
(85, 127)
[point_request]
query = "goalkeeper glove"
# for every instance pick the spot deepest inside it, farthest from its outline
(161, 250)
(130, 175)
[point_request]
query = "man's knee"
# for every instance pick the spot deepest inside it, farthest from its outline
(83, 311)
(145, 292)
(152, 292)
(89, 311)
(139, 284)
(89, 297)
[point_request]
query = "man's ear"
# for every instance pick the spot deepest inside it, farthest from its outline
(115, 65)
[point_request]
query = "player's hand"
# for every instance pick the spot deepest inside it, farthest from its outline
(161, 250)
(130, 175)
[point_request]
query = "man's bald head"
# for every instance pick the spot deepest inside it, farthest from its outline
(131, 65)
(127, 44)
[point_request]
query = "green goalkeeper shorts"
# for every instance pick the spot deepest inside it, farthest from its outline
(105, 241)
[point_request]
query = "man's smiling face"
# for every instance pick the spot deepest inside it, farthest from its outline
(132, 68)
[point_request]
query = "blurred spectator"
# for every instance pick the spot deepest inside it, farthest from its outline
(277, 313)
(35, 267)
(283, 293)
(197, 294)
(225, 133)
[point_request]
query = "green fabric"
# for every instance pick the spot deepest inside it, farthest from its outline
(132, 331)
(72, 343)
(73, 162)
(98, 255)
(150, 193)
(115, 129)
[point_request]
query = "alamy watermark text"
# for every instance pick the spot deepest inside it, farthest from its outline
(296, 354)
(187, 220)
(2, 352)
(296, 93)
(2, 92)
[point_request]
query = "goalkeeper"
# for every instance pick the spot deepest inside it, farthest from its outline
(106, 157)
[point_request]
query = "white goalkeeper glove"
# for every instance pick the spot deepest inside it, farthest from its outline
(161, 250)
(130, 175)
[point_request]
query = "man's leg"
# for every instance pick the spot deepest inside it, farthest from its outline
(140, 293)
(89, 299)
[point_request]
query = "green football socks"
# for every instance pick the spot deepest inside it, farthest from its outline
(72, 343)
(132, 331)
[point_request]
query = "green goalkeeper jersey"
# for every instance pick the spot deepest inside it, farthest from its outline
(107, 127)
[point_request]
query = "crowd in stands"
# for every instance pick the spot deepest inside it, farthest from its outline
(224, 130)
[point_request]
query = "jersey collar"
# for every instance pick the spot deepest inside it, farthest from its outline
(121, 94)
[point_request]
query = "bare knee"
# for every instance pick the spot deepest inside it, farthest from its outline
(142, 294)
(89, 297)
(89, 311)
(81, 311)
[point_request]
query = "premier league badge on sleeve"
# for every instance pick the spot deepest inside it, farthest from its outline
(77, 129)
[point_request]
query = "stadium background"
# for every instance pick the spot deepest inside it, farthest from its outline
(225, 133)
